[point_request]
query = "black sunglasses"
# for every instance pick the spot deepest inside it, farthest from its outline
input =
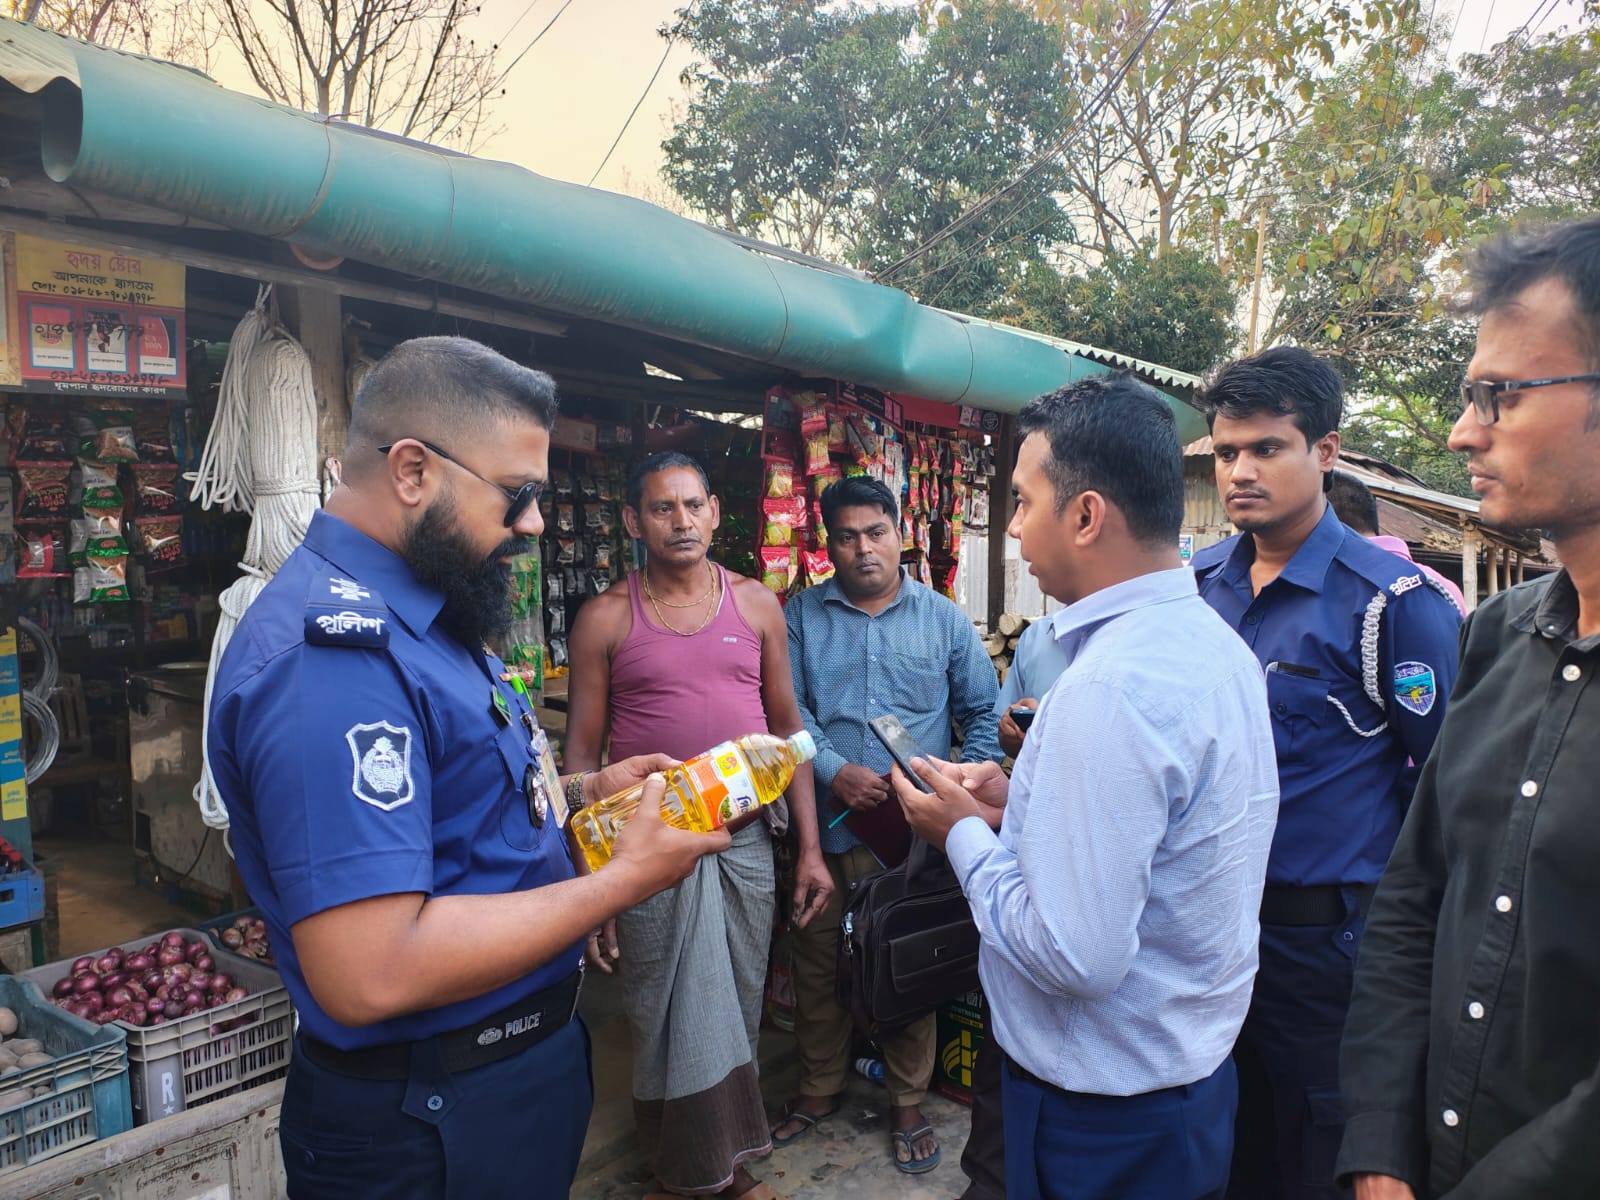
(1484, 394)
(520, 499)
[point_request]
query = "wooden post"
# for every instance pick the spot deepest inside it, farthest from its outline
(1005, 456)
(1471, 540)
(1255, 289)
(1519, 566)
(315, 317)
(1494, 568)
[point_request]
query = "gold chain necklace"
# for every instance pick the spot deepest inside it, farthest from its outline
(693, 603)
(716, 582)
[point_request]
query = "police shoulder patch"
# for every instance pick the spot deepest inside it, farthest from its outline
(380, 757)
(341, 612)
(1414, 687)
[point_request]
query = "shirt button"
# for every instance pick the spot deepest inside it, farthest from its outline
(1475, 1011)
(435, 1102)
(1571, 672)
(1253, 619)
(1280, 708)
(1530, 787)
(1503, 903)
(1451, 1117)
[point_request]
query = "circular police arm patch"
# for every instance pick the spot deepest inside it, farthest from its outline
(380, 757)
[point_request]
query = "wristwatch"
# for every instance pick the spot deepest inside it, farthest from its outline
(575, 791)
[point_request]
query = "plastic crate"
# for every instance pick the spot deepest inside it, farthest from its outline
(88, 1078)
(214, 927)
(21, 898)
(206, 1055)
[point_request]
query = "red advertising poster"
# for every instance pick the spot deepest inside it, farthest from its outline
(92, 321)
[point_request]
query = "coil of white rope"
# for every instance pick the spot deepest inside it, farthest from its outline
(260, 458)
(49, 659)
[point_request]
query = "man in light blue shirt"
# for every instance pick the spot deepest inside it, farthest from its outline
(871, 641)
(1118, 903)
(1035, 665)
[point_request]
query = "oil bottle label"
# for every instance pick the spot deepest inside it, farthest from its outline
(726, 786)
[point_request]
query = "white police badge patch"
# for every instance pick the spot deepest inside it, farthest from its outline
(381, 757)
(1414, 687)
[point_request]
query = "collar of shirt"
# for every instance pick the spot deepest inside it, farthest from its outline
(1393, 545)
(1552, 611)
(1308, 568)
(368, 562)
(834, 594)
(1074, 623)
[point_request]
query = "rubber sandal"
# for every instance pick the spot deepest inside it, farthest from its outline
(808, 1122)
(908, 1138)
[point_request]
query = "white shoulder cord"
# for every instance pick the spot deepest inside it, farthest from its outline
(1371, 631)
(259, 458)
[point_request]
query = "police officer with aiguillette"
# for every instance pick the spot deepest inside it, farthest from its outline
(397, 814)
(1360, 652)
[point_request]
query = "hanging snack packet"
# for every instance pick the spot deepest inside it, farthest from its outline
(566, 520)
(152, 435)
(105, 435)
(586, 487)
(603, 489)
(775, 568)
(817, 452)
(597, 519)
(561, 484)
(100, 488)
(813, 413)
(838, 429)
(39, 435)
(101, 580)
(160, 538)
(155, 489)
(822, 480)
(818, 566)
(602, 558)
(41, 553)
(558, 652)
(566, 548)
(780, 480)
(598, 581)
(43, 491)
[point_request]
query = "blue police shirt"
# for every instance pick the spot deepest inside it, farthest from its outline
(1360, 654)
(364, 751)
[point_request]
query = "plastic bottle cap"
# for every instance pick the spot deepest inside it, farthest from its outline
(805, 749)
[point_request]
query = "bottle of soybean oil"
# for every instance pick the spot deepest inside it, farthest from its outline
(707, 792)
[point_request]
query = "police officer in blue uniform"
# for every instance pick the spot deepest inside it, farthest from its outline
(397, 815)
(1360, 653)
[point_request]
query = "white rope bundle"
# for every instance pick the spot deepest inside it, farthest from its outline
(36, 700)
(259, 458)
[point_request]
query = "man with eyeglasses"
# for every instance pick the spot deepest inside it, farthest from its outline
(1359, 650)
(1471, 1060)
(397, 815)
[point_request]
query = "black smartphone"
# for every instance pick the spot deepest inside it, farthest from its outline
(897, 741)
(1023, 717)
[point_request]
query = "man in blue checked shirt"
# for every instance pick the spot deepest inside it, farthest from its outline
(871, 641)
(1359, 648)
(1117, 903)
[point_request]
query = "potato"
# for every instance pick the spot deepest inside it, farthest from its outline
(8, 1022)
(44, 1090)
(21, 1046)
(13, 1098)
(37, 1059)
(7, 1072)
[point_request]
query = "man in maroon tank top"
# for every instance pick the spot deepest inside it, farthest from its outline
(685, 656)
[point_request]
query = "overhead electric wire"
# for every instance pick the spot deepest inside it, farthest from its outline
(637, 104)
(502, 76)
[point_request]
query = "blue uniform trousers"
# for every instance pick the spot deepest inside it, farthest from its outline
(513, 1128)
(1168, 1145)
(1290, 1118)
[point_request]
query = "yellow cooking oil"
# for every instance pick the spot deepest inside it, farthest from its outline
(709, 791)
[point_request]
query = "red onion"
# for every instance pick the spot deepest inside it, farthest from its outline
(86, 963)
(194, 950)
(139, 963)
(182, 970)
(116, 952)
(233, 994)
(119, 997)
(63, 987)
(169, 956)
(193, 998)
(105, 1016)
(91, 1002)
(152, 949)
(205, 963)
(232, 939)
(221, 982)
(151, 978)
(173, 940)
(85, 984)
(133, 1014)
(158, 1019)
(112, 979)
(200, 980)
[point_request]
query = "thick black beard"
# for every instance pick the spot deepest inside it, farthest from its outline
(477, 591)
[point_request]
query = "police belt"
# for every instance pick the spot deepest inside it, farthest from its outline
(1308, 906)
(516, 1027)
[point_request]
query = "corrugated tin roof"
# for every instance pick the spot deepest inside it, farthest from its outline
(1166, 376)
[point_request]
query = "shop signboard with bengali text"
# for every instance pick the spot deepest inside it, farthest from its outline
(85, 320)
